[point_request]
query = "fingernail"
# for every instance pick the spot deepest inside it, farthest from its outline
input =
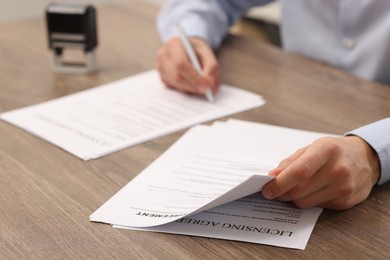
(273, 172)
(267, 194)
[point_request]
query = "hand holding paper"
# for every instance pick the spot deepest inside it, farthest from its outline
(206, 177)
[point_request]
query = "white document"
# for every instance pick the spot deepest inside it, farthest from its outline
(105, 119)
(249, 219)
(183, 190)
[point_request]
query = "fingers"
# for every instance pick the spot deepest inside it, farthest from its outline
(176, 70)
(315, 198)
(296, 170)
(209, 63)
(335, 173)
(326, 198)
(286, 162)
(336, 197)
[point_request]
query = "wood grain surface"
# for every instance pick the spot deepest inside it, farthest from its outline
(47, 195)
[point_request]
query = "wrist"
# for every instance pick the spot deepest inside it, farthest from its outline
(372, 159)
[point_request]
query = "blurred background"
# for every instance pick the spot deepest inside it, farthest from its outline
(260, 23)
(11, 10)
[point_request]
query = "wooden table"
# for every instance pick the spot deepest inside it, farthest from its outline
(47, 195)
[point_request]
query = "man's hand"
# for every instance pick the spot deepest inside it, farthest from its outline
(333, 172)
(177, 72)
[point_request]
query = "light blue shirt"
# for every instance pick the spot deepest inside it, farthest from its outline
(353, 35)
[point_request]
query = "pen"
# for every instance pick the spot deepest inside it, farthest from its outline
(194, 60)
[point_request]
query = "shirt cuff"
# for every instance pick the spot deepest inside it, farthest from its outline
(377, 135)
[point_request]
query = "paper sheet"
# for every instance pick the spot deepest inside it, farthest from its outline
(250, 219)
(208, 167)
(105, 119)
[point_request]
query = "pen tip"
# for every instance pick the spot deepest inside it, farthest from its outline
(209, 96)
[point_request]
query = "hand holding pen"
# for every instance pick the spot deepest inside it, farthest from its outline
(189, 65)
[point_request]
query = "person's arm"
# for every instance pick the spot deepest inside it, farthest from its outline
(205, 19)
(334, 172)
(377, 135)
(206, 23)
